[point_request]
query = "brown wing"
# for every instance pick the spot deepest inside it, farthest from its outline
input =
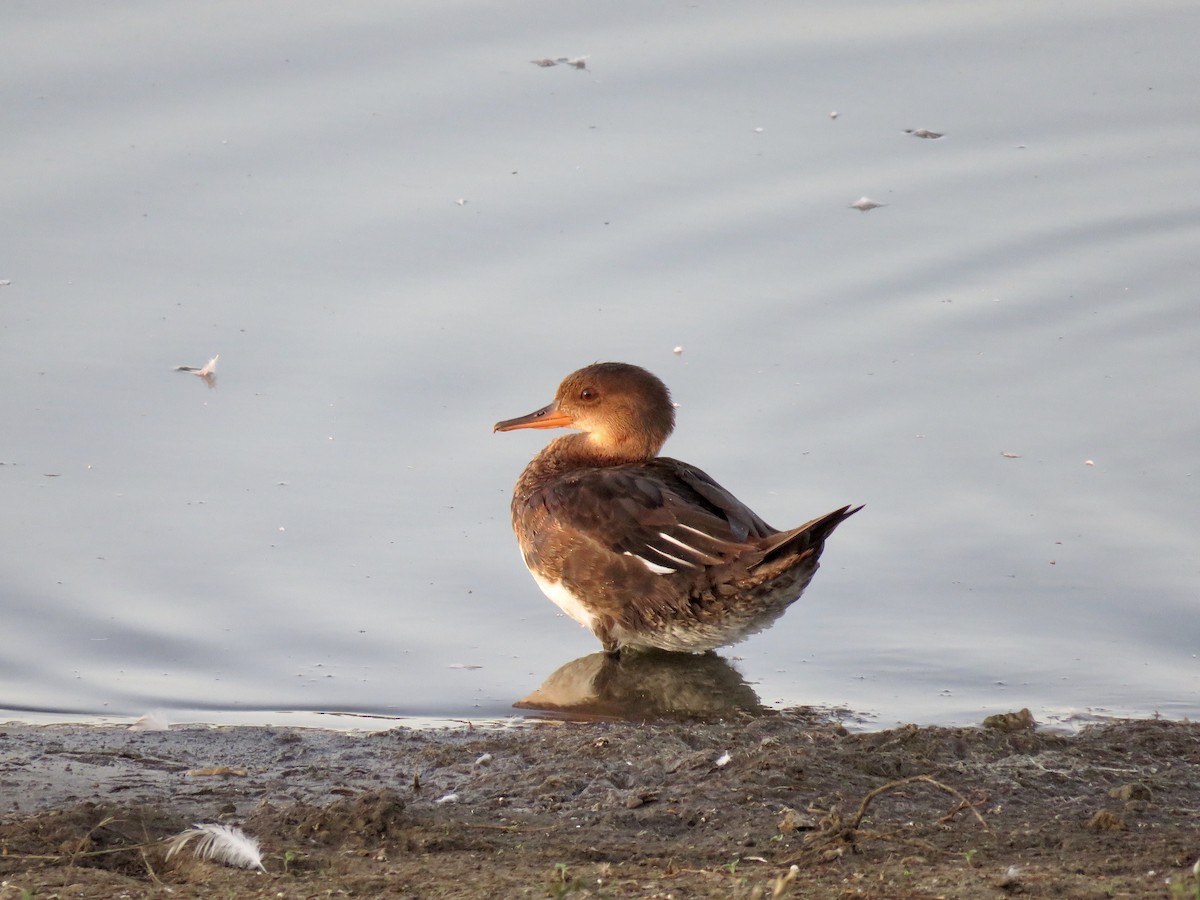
(671, 516)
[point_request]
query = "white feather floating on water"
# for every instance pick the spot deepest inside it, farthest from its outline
(226, 844)
(208, 371)
(866, 204)
(209, 368)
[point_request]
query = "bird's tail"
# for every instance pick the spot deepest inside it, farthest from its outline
(807, 540)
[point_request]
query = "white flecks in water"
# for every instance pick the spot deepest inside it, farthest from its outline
(463, 666)
(924, 133)
(833, 114)
(758, 131)
(1088, 462)
(461, 201)
(866, 203)
(1008, 455)
(678, 351)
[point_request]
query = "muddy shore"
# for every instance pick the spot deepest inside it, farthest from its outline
(779, 805)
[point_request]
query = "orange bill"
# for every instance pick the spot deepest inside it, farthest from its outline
(546, 417)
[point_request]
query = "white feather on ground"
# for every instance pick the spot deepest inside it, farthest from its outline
(151, 721)
(226, 844)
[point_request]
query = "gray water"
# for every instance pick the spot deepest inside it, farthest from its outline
(395, 231)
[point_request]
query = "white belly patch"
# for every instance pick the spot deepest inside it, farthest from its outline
(564, 600)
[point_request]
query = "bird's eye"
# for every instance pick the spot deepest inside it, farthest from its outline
(587, 394)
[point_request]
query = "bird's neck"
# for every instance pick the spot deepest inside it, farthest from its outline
(572, 452)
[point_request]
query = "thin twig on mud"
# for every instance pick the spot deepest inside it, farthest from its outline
(79, 846)
(835, 833)
(107, 820)
(70, 858)
(964, 804)
(927, 779)
(149, 868)
(146, 842)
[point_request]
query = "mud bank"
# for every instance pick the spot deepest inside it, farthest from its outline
(766, 806)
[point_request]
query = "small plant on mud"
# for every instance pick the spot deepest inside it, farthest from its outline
(1187, 887)
(562, 884)
(970, 855)
(732, 866)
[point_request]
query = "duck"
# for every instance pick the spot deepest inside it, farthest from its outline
(647, 552)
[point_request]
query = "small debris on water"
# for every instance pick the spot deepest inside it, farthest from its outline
(834, 114)
(463, 666)
(1008, 455)
(678, 351)
(578, 62)
(866, 203)
(924, 133)
(208, 371)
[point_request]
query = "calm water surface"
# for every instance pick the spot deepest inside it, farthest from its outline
(395, 231)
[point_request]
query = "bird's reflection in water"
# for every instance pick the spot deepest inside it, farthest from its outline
(641, 685)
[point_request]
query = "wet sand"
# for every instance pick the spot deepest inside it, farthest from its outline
(779, 805)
